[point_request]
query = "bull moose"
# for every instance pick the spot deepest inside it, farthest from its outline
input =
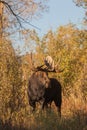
(43, 89)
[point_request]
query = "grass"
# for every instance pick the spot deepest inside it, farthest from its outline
(74, 117)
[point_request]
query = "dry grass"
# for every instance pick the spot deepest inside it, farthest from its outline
(74, 117)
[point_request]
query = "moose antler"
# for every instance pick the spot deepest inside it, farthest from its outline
(39, 68)
(49, 66)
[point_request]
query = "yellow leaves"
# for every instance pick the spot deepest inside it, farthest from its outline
(68, 47)
(82, 3)
(10, 79)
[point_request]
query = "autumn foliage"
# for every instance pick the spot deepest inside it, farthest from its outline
(68, 47)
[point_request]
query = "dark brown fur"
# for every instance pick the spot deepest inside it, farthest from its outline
(41, 88)
(53, 93)
(38, 82)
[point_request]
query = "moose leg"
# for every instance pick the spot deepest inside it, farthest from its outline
(32, 104)
(44, 105)
(42, 102)
(58, 105)
(59, 111)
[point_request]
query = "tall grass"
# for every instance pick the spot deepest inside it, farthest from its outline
(74, 117)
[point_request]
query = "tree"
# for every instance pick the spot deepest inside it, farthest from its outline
(15, 15)
(82, 3)
(1, 24)
(10, 81)
(68, 47)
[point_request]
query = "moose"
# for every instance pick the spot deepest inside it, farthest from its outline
(43, 89)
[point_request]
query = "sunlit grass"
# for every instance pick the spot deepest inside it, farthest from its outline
(74, 117)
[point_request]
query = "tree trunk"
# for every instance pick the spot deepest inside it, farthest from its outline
(1, 21)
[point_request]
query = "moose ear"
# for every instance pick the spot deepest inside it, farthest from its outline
(41, 74)
(37, 73)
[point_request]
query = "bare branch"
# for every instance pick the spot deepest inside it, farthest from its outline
(9, 7)
(18, 18)
(29, 23)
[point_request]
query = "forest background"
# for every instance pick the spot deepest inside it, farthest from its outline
(68, 47)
